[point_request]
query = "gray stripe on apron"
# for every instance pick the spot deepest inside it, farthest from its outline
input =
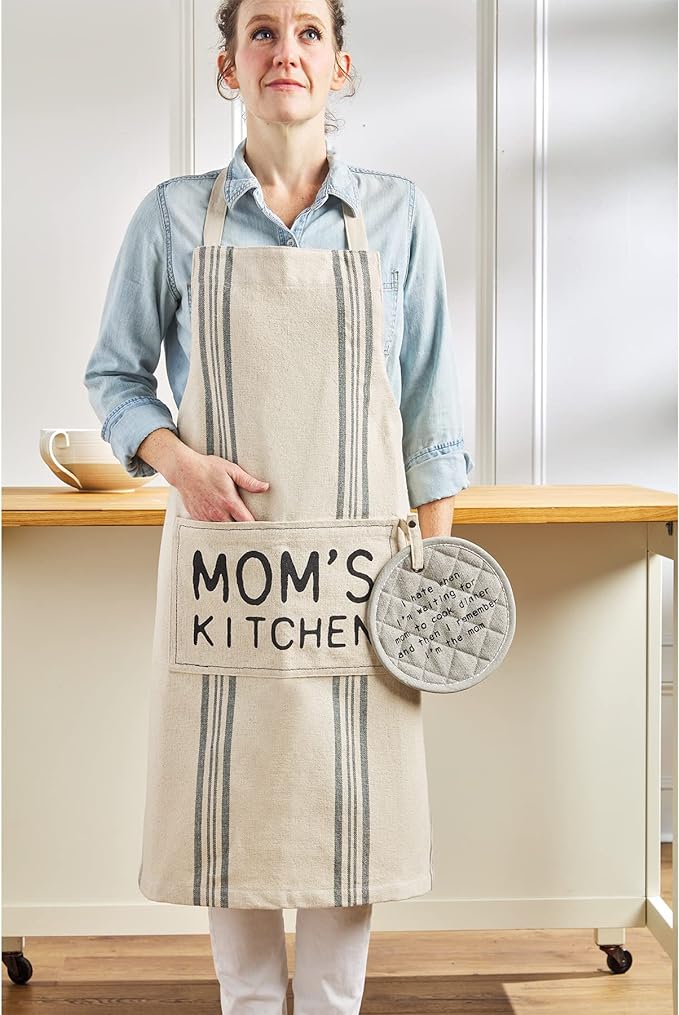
(200, 770)
(226, 786)
(212, 796)
(218, 329)
(365, 851)
(231, 450)
(342, 378)
(209, 428)
(205, 826)
(346, 894)
(367, 300)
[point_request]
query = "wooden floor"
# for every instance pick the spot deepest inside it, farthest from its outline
(443, 972)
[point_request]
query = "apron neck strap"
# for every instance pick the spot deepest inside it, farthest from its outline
(217, 208)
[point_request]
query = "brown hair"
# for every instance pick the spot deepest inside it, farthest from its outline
(226, 18)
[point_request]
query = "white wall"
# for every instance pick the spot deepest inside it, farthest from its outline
(610, 243)
(586, 290)
(580, 285)
(91, 123)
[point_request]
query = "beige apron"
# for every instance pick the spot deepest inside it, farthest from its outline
(286, 766)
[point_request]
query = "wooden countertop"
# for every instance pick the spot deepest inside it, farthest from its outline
(478, 505)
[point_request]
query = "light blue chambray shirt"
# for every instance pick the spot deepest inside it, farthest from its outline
(148, 306)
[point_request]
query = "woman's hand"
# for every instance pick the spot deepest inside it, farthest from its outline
(208, 484)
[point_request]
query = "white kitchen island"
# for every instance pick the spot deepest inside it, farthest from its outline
(544, 778)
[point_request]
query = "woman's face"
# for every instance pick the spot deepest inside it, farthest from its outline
(290, 39)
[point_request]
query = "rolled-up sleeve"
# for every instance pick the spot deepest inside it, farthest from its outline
(140, 303)
(435, 460)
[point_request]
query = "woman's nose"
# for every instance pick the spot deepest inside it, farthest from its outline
(287, 50)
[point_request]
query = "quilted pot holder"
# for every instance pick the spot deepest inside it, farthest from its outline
(441, 613)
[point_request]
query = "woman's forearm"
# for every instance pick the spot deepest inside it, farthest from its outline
(164, 452)
(436, 517)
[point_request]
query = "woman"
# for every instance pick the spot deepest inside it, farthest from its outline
(301, 302)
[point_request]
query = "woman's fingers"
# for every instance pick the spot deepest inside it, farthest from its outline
(210, 493)
(244, 479)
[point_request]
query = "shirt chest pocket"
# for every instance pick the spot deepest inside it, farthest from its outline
(390, 298)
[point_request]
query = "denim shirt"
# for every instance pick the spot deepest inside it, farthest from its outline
(148, 306)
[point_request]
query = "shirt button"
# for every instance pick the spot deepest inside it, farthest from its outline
(291, 243)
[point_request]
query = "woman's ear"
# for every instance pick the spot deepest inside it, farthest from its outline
(340, 71)
(227, 70)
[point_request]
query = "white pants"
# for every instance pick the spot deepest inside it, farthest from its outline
(331, 954)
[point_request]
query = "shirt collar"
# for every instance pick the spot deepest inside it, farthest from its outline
(338, 181)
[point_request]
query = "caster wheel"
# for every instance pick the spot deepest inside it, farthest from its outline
(619, 960)
(19, 969)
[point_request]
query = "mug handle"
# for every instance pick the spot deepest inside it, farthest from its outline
(60, 469)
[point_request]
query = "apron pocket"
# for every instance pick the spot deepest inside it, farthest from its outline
(276, 599)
